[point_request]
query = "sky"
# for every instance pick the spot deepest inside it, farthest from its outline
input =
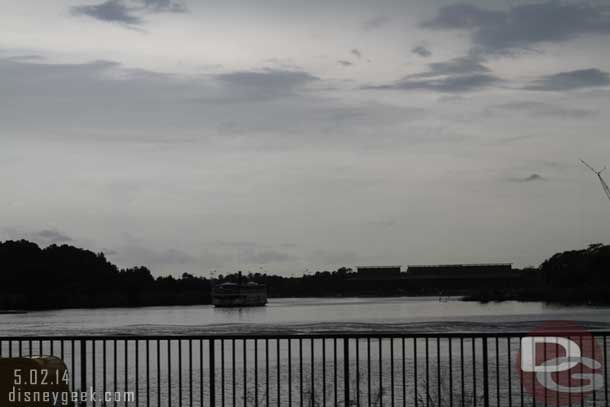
(288, 137)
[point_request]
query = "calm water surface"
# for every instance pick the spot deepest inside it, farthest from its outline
(305, 315)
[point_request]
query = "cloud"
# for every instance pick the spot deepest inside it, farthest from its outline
(582, 78)
(267, 108)
(343, 62)
(457, 75)
(357, 53)
(467, 65)
(111, 10)
(375, 22)
(267, 82)
(539, 109)
(125, 11)
(27, 58)
(422, 51)
(165, 5)
(530, 178)
(523, 25)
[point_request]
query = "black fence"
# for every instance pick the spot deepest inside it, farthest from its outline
(372, 369)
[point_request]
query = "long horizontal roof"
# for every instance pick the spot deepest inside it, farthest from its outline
(462, 265)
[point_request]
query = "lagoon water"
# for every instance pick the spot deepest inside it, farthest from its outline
(305, 315)
(246, 381)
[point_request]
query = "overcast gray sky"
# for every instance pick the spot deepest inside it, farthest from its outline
(287, 136)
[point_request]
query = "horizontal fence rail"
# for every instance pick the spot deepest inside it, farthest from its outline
(372, 369)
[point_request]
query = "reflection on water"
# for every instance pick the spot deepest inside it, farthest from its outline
(304, 314)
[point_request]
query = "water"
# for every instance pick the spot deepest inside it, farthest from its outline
(305, 315)
(313, 374)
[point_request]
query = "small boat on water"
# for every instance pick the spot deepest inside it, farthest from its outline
(240, 294)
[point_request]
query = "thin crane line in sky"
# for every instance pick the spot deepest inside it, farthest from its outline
(599, 176)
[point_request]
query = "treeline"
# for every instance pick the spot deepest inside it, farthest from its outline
(571, 277)
(68, 277)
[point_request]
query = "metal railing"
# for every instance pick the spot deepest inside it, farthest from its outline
(360, 369)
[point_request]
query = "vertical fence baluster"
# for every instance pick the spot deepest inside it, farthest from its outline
(266, 372)
(415, 398)
(104, 369)
(313, 392)
(508, 373)
(159, 373)
(147, 373)
(606, 378)
(93, 376)
(497, 372)
(450, 344)
(126, 371)
(427, 376)
(233, 369)
(212, 372)
(392, 371)
(169, 372)
(324, 372)
(83, 365)
(222, 372)
(245, 360)
(255, 372)
(114, 368)
(438, 372)
(289, 372)
(346, 370)
(404, 376)
(474, 373)
(462, 398)
(357, 372)
(485, 373)
(301, 372)
(137, 390)
(179, 372)
(277, 361)
(335, 370)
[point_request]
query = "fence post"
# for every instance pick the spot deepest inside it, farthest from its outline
(212, 372)
(485, 374)
(346, 370)
(83, 367)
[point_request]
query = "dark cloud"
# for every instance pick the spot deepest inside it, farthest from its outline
(530, 178)
(127, 12)
(582, 78)
(356, 53)
(454, 84)
(454, 76)
(467, 65)
(111, 11)
(538, 109)
(422, 51)
(523, 25)
(343, 62)
(266, 83)
(376, 22)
